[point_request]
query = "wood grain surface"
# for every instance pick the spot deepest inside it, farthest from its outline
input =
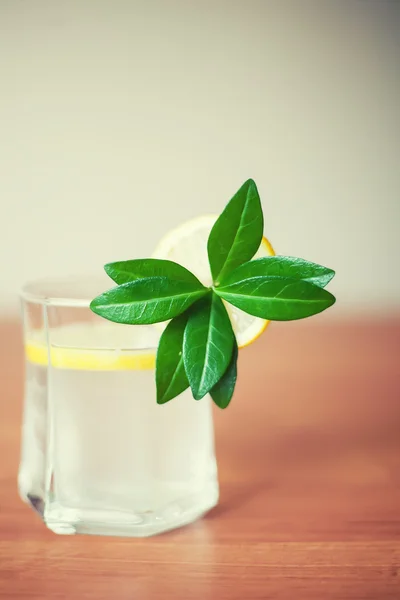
(309, 459)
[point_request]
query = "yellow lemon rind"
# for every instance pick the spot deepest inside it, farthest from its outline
(89, 360)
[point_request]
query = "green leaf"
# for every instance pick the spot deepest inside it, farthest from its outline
(222, 392)
(281, 266)
(171, 379)
(207, 344)
(277, 298)
(237, 233)
(130, 270)
(149, 300)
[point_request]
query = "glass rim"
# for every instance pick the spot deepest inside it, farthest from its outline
(77, 292)
(69, 291)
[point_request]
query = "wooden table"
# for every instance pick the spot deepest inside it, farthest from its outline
(309, 457)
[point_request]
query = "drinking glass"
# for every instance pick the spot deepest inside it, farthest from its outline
(99, 455)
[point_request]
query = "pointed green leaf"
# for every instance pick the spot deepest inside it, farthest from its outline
(207, 344)
(281, 266)
(222, 392)
(130, 270)
(236, 235)
(277, 298)
(146, 301)
(171, 379)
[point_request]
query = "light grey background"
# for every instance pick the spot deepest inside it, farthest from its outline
(119, 119)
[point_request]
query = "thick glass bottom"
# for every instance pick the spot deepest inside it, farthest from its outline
(66, 520)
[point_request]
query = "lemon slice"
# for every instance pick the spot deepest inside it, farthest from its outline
(94, 347)
(187, 245)
(95, 360)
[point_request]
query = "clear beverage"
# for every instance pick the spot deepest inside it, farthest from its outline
(98, 454)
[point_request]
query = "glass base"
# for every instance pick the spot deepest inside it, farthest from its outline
(68, 521)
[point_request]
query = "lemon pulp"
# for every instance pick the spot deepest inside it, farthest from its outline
(187, 245)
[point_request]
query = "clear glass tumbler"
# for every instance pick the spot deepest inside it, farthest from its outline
(98, 454)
